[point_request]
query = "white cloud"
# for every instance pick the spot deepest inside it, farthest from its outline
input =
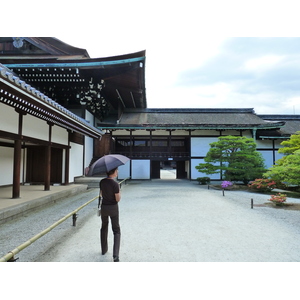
(194, 71)
(208, 96)
(292, 104)
(263, 63)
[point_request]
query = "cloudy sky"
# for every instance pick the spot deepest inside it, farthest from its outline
(253, 72)
(199, 54)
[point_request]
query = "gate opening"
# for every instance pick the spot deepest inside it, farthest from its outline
(168, 170)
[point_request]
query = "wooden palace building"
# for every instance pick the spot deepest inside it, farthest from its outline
(60, 110)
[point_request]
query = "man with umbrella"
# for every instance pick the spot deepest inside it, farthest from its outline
(110, 192)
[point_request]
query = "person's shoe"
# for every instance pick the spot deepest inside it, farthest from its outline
(116, 258)
(103, 252)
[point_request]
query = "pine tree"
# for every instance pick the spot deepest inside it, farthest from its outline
(287, 168)
(235, 158)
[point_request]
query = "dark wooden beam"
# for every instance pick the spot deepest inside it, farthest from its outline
(17, 160)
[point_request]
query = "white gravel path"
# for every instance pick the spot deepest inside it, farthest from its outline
(15, 232)
(181, 221)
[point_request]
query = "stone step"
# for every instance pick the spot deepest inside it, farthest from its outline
(91, 182)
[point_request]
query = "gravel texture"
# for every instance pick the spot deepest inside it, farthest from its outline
(15, 232)
(165, 221)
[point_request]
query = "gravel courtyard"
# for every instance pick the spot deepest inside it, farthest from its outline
(181, 221)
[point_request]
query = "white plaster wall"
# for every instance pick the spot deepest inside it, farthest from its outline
(9, 119)
(268, 157)
(140, 169)
(121, 132)
(59, 135)
(247, 134)
(35, 128)
(278, 155)
(180, 132)
(88, 141)
(231, 132)
(200, 145)
(76, 161)
(160, 132)
(89, 117)
(88, 154)
(124, 171)
(278, 142)
(6, 165)
(195, 173)
(205, 132)
(264, 144)
(140, 132)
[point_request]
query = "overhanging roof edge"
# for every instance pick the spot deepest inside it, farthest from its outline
(192, 127)
(77, 64)
(79, 124)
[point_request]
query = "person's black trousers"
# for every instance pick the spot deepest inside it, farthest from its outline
(112, 212)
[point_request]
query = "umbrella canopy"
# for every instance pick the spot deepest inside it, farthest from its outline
(107, 163)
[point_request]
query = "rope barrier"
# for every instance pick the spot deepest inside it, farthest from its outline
(10, 255)
(124, 180)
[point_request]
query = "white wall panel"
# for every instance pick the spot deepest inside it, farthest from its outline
(76, 161)
(59, 135)
(160, 132)
(140, 169)
(195, 173)
(268, 144)
(278, 142)
(231, 132)
(278, 155)
(180, 132)
(205, 132)
(9, 119)
(88, 141)
(200, 145)
(268, 157)
(35, 128)
(88, 154)
(124, 171)
(6, 165)
(140, 132)
(247, 134)
(121, 132)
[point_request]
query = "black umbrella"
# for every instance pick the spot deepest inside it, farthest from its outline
(107, 163)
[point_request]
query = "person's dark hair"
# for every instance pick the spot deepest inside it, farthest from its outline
(111, 171)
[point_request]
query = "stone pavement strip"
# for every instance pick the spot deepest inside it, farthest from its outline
(181, 221)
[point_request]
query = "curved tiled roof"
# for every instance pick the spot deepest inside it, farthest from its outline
(191, 119)
(292, 123)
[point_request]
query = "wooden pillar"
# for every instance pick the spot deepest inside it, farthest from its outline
(170, 143)
(48, 160)
(150, 154)
(67, 161)
(17, 159)
(17, 169)
(254, 133)
(67, 166)
(130, 144)
(47, 168)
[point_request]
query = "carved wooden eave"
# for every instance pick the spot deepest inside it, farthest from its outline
(24, 98)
